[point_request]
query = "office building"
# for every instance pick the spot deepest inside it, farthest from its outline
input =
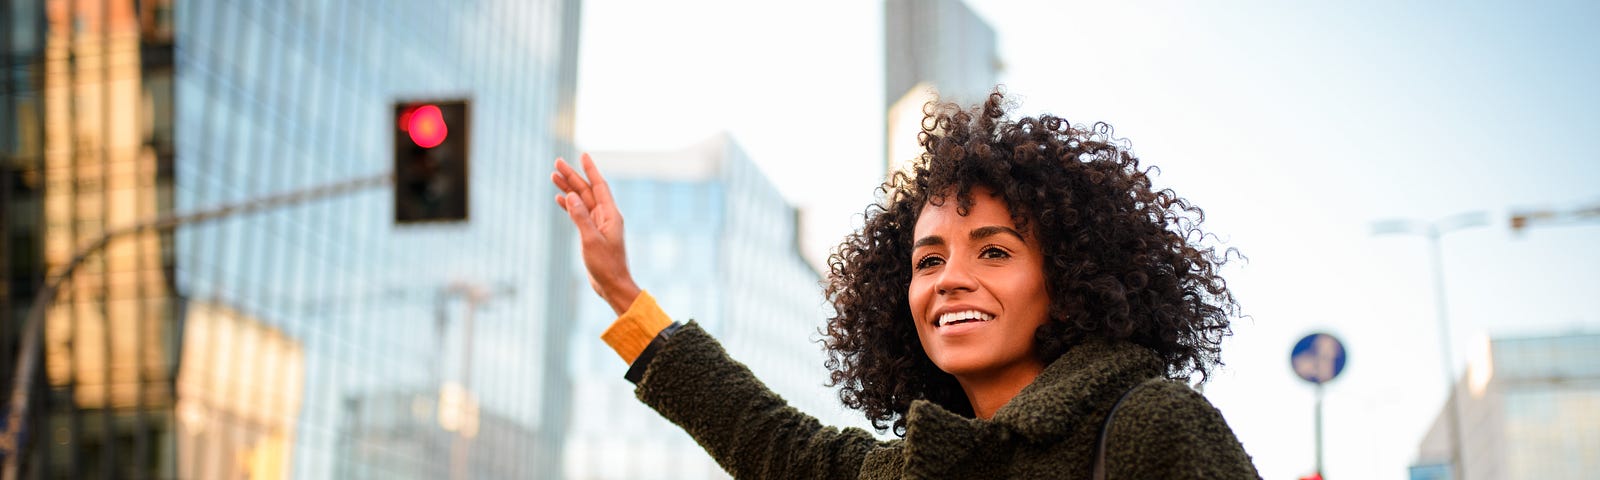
(259, 345)
(934, 49)
(1530, 408)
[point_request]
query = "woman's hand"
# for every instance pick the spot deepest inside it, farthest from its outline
(594, 212)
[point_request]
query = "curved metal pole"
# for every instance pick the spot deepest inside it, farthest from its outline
(32, 330)
(1432, 231)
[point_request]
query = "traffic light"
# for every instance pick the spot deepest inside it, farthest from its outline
(430, 161)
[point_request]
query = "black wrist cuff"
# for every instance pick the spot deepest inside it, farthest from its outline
(636, 371)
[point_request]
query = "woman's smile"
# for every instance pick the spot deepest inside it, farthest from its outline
(959, 319)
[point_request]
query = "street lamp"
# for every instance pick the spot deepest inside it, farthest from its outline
(458, 406)
(1433, 230)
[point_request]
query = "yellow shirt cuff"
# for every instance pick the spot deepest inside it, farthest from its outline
(636, 327)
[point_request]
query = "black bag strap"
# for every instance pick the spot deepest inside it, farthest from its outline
(1105, 431)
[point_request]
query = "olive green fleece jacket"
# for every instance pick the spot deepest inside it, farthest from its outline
(1163, 430)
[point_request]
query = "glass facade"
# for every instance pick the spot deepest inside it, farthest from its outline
(1531, 410)
(714, 242)
(1552, 405)
(87, 136)
(316, 340)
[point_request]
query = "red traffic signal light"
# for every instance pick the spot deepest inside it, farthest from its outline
(425, 125)
(430, 161)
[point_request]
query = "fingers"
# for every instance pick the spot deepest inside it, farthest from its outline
(568, 179)
(561, 184)
(580, 217)
(574, 182)
(602, 189)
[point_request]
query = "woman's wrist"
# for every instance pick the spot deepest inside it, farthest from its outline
(622, 296)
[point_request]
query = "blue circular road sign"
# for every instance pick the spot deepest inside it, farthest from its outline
(1317, 358)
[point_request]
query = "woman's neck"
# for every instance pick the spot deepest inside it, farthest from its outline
(988, 392)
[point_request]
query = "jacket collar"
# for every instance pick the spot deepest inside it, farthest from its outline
(1076, 388)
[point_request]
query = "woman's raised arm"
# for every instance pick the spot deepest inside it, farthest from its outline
(594, 212)
(690, 380)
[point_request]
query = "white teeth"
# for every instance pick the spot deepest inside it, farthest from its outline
(947, 318)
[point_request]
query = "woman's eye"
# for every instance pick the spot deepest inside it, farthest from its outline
(992, 252)
(929, 261)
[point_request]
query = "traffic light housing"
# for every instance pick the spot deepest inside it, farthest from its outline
(430, 161)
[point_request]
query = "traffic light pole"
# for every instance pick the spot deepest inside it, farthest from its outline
(1521, 220)
(33, 328)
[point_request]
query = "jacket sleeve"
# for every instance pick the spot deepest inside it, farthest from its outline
(748, 429)
(1168, 430)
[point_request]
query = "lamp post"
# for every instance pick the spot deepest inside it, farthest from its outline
(457, 401)
(1432, 231)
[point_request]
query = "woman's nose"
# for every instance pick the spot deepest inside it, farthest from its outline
(955, 276)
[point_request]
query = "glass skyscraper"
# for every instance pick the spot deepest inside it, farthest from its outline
(315, 340)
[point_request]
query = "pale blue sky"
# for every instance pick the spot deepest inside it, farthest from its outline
(1294, 126)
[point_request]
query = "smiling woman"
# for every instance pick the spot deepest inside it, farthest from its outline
(1020, 304)
(977, 295)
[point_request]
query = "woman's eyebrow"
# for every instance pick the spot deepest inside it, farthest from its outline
(977, 234)
(992, 230)
(928, 240)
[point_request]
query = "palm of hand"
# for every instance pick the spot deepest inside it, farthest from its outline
(594, 212)
(608, 222)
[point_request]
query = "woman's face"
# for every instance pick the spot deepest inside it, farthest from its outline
(977, 289)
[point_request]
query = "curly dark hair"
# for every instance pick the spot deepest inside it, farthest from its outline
(1122, 260)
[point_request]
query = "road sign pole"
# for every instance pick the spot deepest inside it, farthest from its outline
(1319, 430)
(1317, 359)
